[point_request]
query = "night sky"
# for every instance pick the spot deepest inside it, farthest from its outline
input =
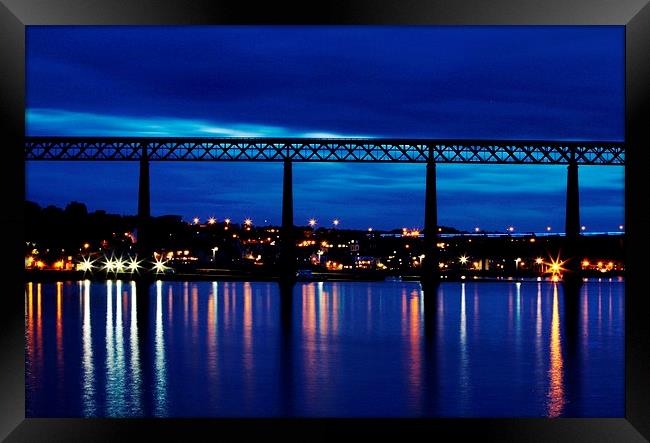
(562, 83)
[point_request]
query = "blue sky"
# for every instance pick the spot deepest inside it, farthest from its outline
(452, 82)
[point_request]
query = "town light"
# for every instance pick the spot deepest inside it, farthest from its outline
(463, 259)
(556, 267)
(159, 266)
(109, 264)
(583, 228)
(477, 229)
(312, 222)
(86, 264)
(336, 222)
(511, 228)
(539, 260)
(212, 220)
(248, 222)
(119, 265)
(227, 221)
(134, 264)
(548, 228)
(196, 220)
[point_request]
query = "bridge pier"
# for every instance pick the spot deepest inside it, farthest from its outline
(429, 275)
(572, 224)
(144, 205)
(287, 251)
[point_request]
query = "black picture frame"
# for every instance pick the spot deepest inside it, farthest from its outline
(634, 15)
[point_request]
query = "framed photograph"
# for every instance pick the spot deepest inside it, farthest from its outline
(396, 218)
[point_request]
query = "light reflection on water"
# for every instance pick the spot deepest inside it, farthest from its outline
(347, 349)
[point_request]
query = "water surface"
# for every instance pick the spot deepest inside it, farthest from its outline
(233, 349)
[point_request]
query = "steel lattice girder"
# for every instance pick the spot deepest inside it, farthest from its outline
(319, 150)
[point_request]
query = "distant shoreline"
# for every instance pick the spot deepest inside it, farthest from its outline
(239, 275)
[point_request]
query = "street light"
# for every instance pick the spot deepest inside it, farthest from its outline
(214, 251)
(134, 264)
(517, 260)
(312, 222)
(159, 266)
(87, 264)
(336, 222)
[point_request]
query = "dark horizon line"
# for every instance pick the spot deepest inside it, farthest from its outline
(314, 228)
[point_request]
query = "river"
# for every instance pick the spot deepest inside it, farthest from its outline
(328, 349)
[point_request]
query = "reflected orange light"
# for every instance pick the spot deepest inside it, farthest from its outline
(195, 310)
(59, 327)
(414, 342)
(212, 337)
(309, 335)
(39, 327)
(248, 314)
(555, 395)
(323, 312)
(30, 324)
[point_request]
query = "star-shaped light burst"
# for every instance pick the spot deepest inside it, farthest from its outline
(248, 222)
(119, 265)
(312, 222)
(109, 264)
(463, 259)
(555, 268)
(133, 265)
(159, 266)
(86, 264)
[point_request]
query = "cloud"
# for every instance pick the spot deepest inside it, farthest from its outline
(60, 122)
(247, 81)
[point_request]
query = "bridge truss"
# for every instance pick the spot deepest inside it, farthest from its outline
(322, 150)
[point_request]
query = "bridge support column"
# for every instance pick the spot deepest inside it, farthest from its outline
(572, 224)
(144, 206)
(288, 256)
(429, 270)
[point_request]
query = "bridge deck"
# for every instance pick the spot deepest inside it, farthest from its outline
(323, 150)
